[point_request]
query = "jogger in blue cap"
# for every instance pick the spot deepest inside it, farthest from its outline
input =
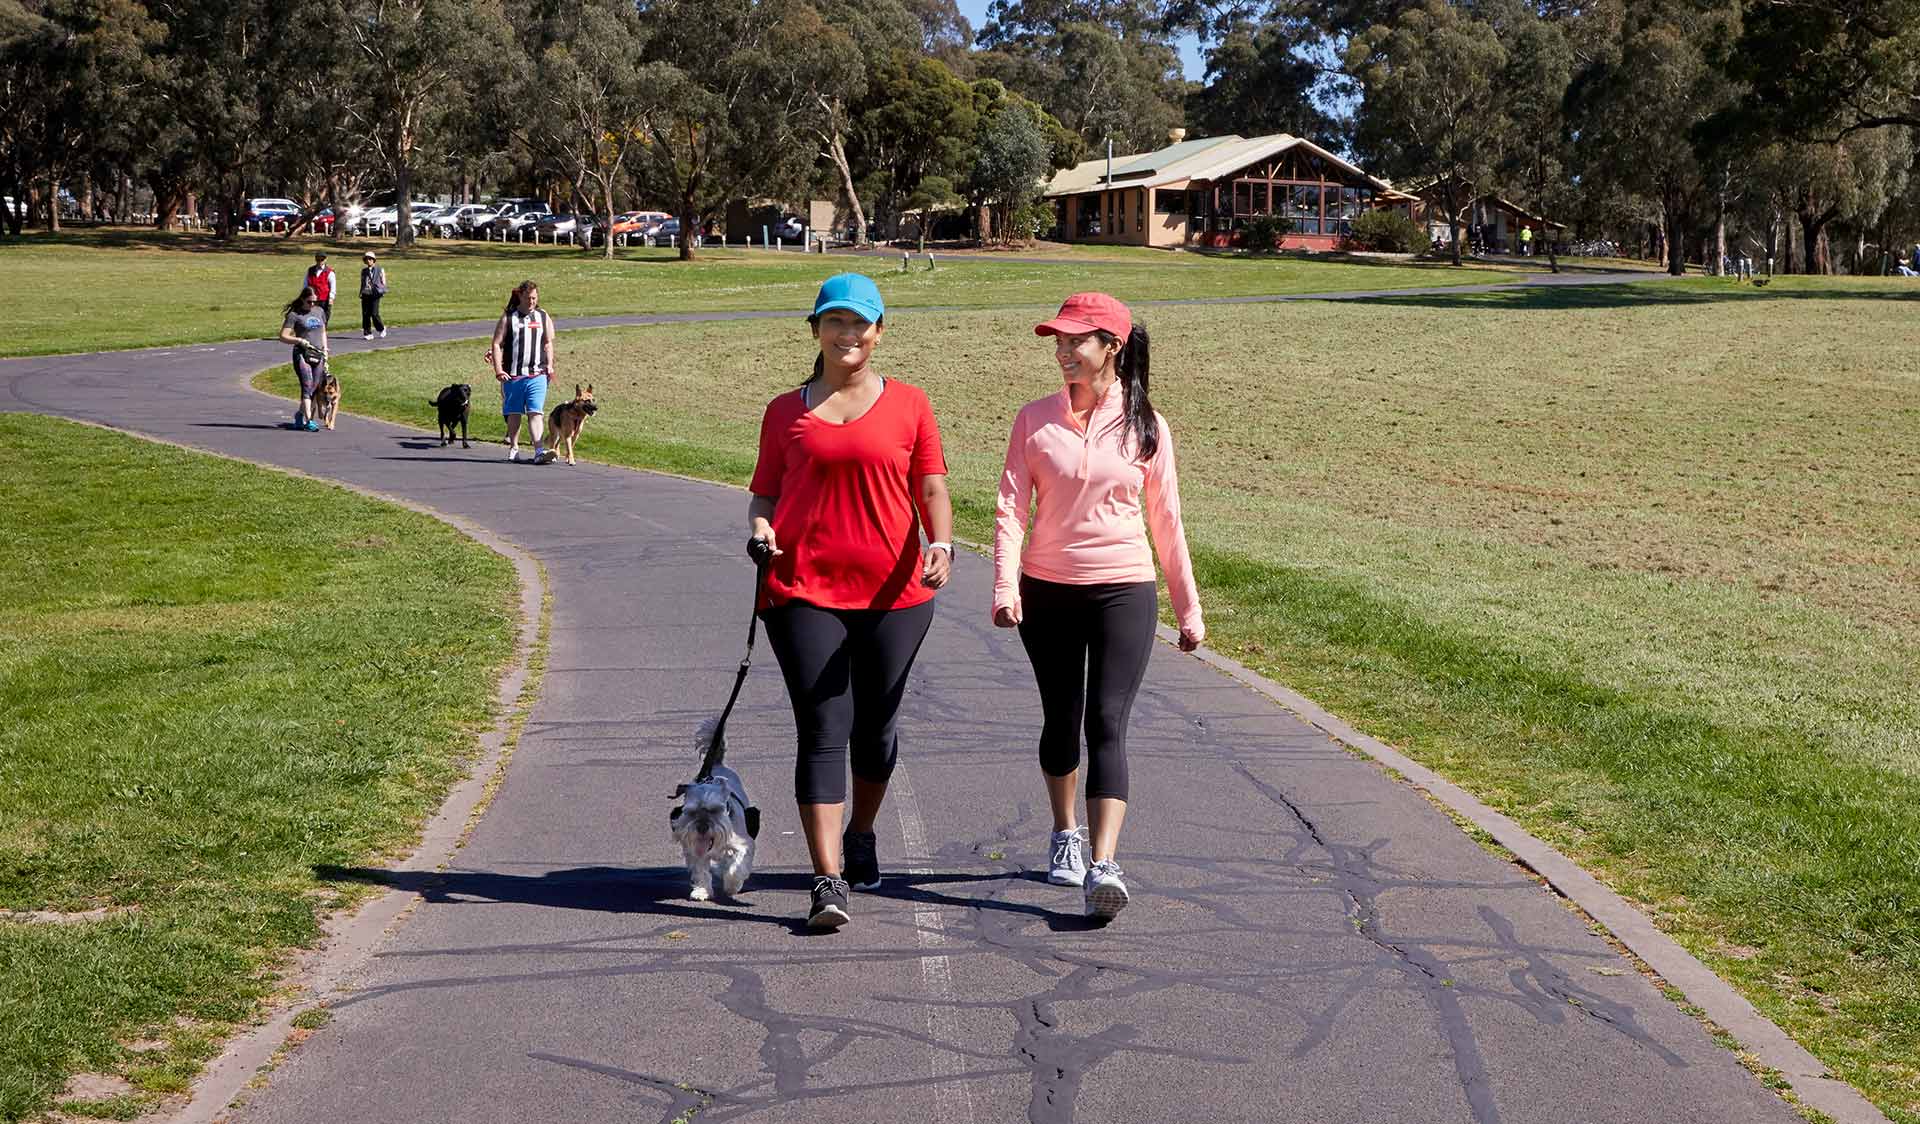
(849, 593)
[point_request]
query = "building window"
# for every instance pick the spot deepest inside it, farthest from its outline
(1170, 202)
(1086, 217)
(1259, 206)
(1304, 208)
(1140, 210)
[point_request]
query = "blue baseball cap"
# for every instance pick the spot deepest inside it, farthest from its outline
(854, 292)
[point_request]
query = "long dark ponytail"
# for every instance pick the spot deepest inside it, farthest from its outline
(1138, 426)
(302, 303)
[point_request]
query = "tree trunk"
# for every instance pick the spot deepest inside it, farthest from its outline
(689, 219)
(403, 184)
(1676, 236)
(1719, 241)
(53, 202)
(838, 151)
(1811, 228)
(606, 227)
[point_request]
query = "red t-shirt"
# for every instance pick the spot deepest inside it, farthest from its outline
(844, 513)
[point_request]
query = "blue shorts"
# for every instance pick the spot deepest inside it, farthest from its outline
(524, 396)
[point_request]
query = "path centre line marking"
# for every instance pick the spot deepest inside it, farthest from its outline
(936, 970)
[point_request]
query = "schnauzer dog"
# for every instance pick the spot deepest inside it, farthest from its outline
(715, 827)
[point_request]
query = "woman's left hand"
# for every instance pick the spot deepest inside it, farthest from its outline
(939, 567)
(1188, 641)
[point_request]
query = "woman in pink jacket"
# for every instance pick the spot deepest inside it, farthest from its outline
(1094, 463)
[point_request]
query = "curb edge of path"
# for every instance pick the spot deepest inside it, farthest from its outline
(347, 938)
(1810, 1080)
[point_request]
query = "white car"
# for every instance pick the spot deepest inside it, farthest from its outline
(475, 221)
(452, 218)
(372, 219)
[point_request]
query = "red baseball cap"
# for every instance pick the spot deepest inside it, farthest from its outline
(1088, 312)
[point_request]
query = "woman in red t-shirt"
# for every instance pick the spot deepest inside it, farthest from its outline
(850, 470)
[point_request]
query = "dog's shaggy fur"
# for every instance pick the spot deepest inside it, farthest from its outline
(453, 403)
(715, 827)
(569, 418)
(326, 399)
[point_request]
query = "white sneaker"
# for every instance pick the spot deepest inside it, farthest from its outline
(383, 333)
(1067, 865)
(366, 335)
(1106, 893)
(513, 452)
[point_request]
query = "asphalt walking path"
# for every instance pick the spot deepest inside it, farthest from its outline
(1309, 941)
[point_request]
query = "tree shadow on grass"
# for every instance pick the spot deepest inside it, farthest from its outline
(1574, 297)
(276, 245)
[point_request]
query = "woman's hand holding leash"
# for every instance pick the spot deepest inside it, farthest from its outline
(761, 547)
(1188, 641)
(1006, 616)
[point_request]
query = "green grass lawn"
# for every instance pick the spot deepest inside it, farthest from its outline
(1635, 565)
(96, 291)
(202, 696)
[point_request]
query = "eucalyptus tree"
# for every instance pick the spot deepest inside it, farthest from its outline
(591, 99)
(413, 58)
(1430, 109)
(729, 128)
(1638, 107)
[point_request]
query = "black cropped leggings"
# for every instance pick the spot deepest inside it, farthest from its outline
(370, 313)
(1089, 646)
(846, 672)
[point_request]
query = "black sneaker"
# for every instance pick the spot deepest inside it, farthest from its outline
(860, 860)
(829, 903)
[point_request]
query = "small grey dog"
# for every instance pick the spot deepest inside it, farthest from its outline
(715, 826)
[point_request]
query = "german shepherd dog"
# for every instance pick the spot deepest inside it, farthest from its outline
(453, 403)
(569, 418)
(326, 399)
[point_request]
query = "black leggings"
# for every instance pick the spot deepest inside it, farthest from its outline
(1089, 646)
(370, 315)
(846, 671)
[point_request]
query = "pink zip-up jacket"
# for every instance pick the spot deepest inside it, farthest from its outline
(1087, 498)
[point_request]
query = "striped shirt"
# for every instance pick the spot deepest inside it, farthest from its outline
(525, 344)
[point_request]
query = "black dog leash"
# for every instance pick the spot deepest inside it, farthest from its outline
(717, 747)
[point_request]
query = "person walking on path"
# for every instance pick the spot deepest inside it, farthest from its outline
(305, 327)
(1095, 463)
(1526, 241)
(850, 471)
(522, 358)
(321, 280)
(373, 286)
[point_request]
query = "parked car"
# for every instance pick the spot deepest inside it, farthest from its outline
(790, 229)
(557, 224)
(517, 221)
(448, 220)
(473, 223)
(271, 210)
(669, 229)
(374, 218)
(639, 222)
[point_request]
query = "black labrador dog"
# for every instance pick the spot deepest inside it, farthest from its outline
(453, 403)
